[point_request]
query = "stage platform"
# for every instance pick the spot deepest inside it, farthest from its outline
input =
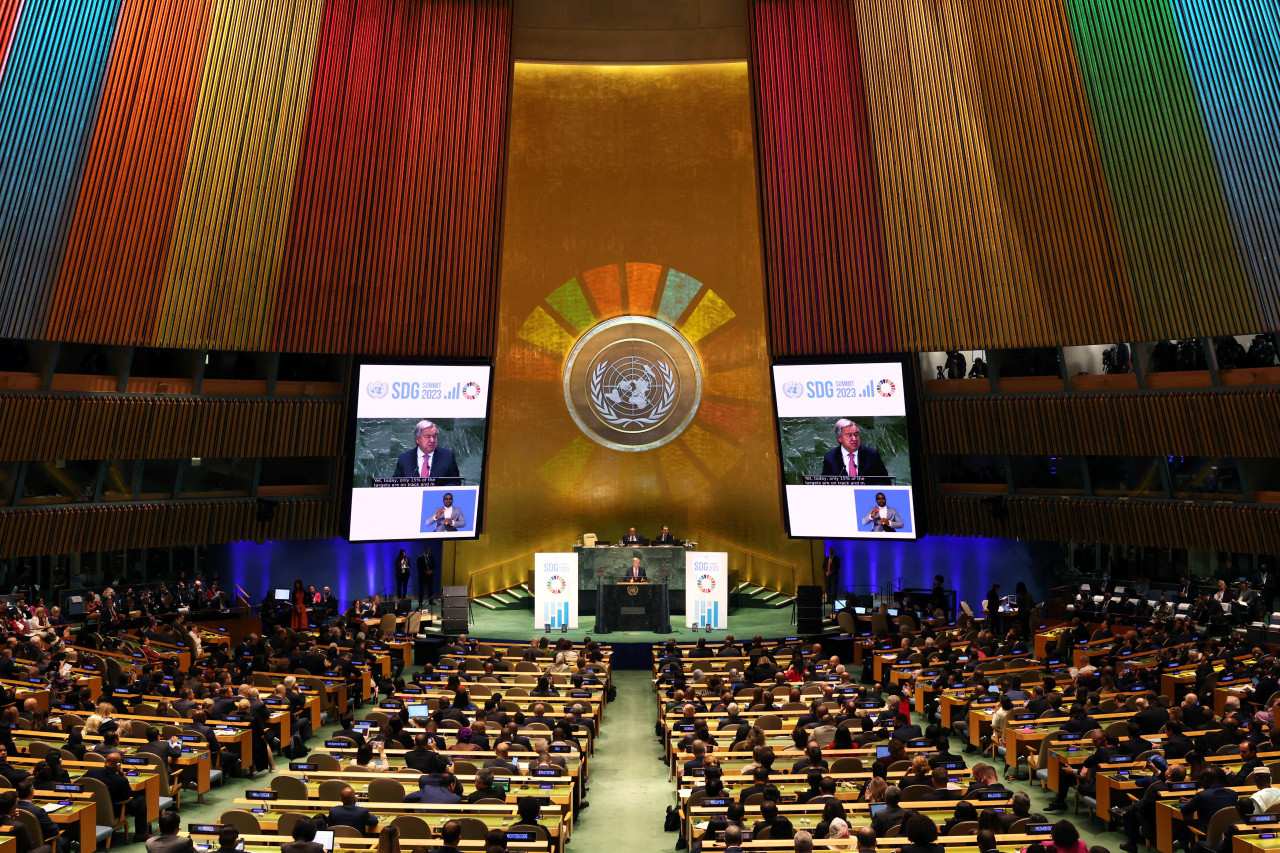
(515, 625)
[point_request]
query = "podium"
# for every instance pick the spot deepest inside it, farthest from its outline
(632, 607)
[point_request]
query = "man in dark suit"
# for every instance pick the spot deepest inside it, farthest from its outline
(850, 458)
(906, 730)
(1150, 718)
(442, 788)
(1265, 582)
(1211, 797)
(423, 758)
(426, 576)
(485, 789)
(831, 575)
(633, 538)
(48, 829)
(502, 760)
(665, 537)
(636, 573)
(890, 816)
(226, 759)
(1194, 715)
(347, 813)
(169, 841)
(942, 790)
(427, 459)
(121, 792)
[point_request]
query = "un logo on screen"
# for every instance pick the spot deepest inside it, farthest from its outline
(632, 383)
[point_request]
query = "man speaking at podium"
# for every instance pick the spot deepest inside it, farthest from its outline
(426, 460)
(851, 459)
(635, 574)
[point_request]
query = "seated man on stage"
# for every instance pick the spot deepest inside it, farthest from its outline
(665, 537)
(635, 574)
(633, 538)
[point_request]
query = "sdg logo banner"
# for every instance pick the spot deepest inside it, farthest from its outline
(706, 589)
(555, 590)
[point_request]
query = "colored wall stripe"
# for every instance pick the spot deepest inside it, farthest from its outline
(113, 272)
(393, 239)
(48, 102)
(1232, 49)
(9, 11)
(1181, 253)
(1048, 169)
(945, 226)
(229, 235)
(824, 254)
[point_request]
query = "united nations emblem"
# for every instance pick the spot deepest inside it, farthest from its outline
(632, 383)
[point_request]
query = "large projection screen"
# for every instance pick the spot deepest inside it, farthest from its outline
(405, 415)
(831, 414)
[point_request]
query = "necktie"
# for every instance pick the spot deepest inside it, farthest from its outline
(853, 465)
(426, 466)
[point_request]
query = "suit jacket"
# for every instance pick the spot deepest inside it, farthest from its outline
(425, 761)
(869, 463)
(1206, 802)
(117, 783)
(170, 844)
(630, 575)
(664, 539)
(887, 819)
(442, 464)
(1151, 719)
(48, 828)
(831, 566)
(357, 817)
(634, 540)
(1194, 716)
(880, 525)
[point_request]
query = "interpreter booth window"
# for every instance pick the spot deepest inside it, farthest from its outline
(297, 475)
(1176, 356)
(1029, 361)
(59, 482)
(971, 473)
(1204, 478)
(224, 364)
(217, 478)
(118, 479)
(308, 367)
(1126, 476)
(1047, 475)
(88, 359)
(8, 480)
(1264, 479)
(1245, 352)
(1100, 367)
(954, 364)
(159, 476)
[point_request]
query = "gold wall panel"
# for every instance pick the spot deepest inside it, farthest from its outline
(625, 185)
